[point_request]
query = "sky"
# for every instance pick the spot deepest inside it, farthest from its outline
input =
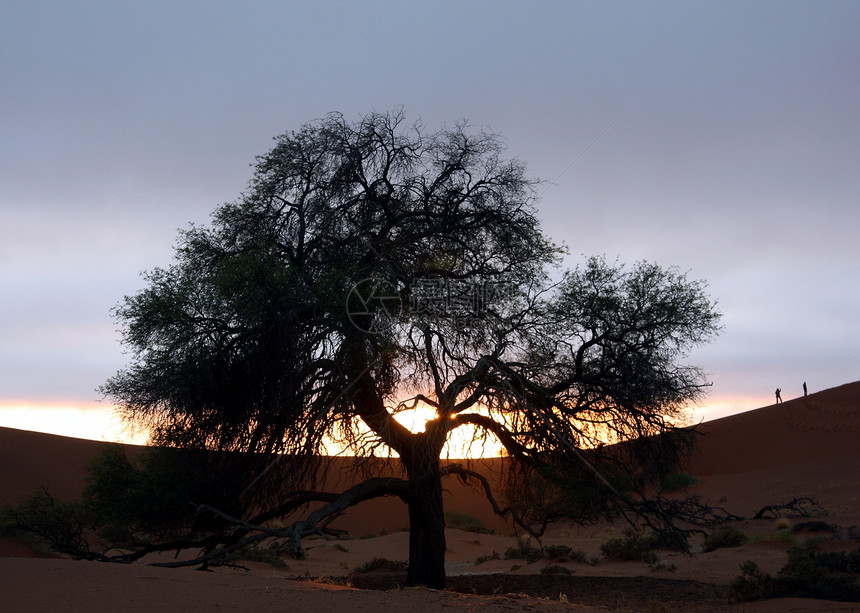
(719, 137)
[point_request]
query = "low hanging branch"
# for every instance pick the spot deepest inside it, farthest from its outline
(315, 523)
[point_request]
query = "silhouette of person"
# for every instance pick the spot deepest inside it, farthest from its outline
(778, 395)
(804, 388)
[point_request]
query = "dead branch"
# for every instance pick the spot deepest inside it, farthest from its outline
(798, 507)
(316, 523)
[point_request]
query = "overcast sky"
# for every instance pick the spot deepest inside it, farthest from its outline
(722, 138)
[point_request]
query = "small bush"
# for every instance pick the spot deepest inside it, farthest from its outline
(524, 550)
(814, 526)
(558, 552)
(467, 522)
(808, 574)
(493, 556)
(380, 564)
(269, 555)
(678, 481)
(721, 538)
(49, 523)
(555, 569)
(634, 546)
(672, 568)
(783, 523)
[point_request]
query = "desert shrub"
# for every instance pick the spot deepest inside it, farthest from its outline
(524, 550)
(814, 526)
(465, 521)
(672, 568)
(151, 496)
(676, 540)
(49, 524)
(558, 552)
(380, 564)
(723, 537)
(634, 546)
(678, 481)
(493, 556)
(783, 523)
(555, 569)
(127, 502)
(753, 583)
(808, 574)
(269, 555)
(836, 561)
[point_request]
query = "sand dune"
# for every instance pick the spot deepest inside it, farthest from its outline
(804, 447)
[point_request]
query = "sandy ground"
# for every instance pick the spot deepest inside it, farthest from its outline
(804, 447)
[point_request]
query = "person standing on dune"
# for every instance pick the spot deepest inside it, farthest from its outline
(778, 395)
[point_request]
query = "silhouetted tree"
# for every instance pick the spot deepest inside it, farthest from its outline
(372, 267)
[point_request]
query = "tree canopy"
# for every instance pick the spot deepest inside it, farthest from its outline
(372, 267)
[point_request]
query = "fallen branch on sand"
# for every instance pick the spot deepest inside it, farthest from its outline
(798, 507)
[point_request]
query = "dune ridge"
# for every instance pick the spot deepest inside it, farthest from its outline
(806, 446)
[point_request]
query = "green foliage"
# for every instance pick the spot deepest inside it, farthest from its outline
(153, 496)
(725, 536)
(250, 344)
(380, 564)
(467, 522)
(808, 574)
(124, 503)
(49, 523)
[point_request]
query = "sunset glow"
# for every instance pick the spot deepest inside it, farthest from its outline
(93, 422)
(99, 423)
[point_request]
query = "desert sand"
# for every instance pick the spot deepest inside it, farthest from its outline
(804, 447)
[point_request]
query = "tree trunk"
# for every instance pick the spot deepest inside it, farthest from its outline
(426, 527)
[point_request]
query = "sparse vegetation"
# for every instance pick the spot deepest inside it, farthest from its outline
(638, 546)
(558, 552)
(726, 536)
(50, 524)
(815, 526)
(555, 569)
(380, 564)
(678, 481)
(783, 523)
(493, 556)
(269, 555)
(808, 574)
(467, 522)
(524, 550)
(660, 566)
